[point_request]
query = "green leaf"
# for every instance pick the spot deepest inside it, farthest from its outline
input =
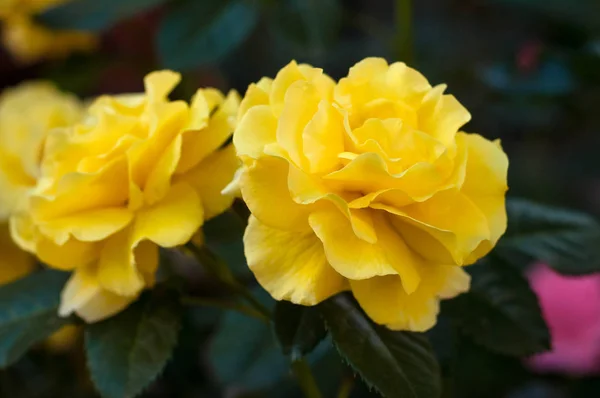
(127, 352)
(94, 15)
(568, 241)
(29, 312)
(397, 364)
(500, 311)
(307, 25)
(244, 353)
(196, 33)
(298, 328)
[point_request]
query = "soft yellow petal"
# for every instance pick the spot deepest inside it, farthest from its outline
(300, 105)
(107, 188)
(386, 302)
(14, 184)
(309, 190)
(210, 177)
(160, 83)
(159, 179)
(486, 181)
(256, 95)
(173, 220)
(199, 112)
(323, 83)
(323, 139)
(117, 271)
(103, 305)
(197, 145)
(284, 79)
(81, 287)
(355, 258)
(442, 115)
(70, 255)
(89, 226)
(23, 232)
(368, 172)
(264, 186)
(127, 264)
(166, 120)
(84, 296)
(256, 129)
(290, 265)
(450, 218)
(406, 83)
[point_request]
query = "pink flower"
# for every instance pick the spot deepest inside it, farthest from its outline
(571, 307)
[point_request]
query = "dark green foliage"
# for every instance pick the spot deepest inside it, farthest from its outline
(244, 353)
(128, 351)
(94, 15)
(398, 364)
(500, 311)
(195, 33)
(28, 313)
(568, 241)
(298, 328)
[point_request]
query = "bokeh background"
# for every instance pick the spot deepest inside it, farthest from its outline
(527, 70)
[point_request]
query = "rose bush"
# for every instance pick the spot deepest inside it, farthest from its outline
(366, 185)
(138, 172)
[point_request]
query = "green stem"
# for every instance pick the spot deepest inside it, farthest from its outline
(306, 379)
(222, 272)
(224, 305)
(404, 36)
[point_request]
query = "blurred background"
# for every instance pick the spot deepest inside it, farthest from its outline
(527, 70)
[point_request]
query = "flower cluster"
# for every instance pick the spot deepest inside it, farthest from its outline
(366, 185)
(29, 41)
(138, 171)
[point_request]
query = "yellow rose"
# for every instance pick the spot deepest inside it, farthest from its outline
(366, 185)
(139, 172)
(29, 41)
(27, 113)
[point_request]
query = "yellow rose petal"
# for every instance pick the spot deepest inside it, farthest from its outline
(256, 129)
(256, 95)
(210, 177)
(89, 226)
(265, 190)
(323, 139)
(387, 303)
(70, 255)
(173, 220)
(300, 273)
(117, 271)
(356, 259)
(220, 127)
(84, 296)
